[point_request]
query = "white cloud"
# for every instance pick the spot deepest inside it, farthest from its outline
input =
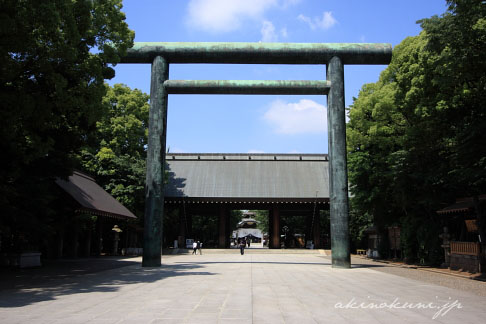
(326, 22)
(305, 116)
(224, 16)
(307, 20)
(177, 150)
(268, 32)
(288, 3)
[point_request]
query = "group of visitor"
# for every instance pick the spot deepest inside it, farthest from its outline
(197, 246)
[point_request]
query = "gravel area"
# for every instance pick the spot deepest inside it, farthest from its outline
(476, 287)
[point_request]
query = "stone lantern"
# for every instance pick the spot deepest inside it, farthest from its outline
(117, 231)
(446, 245)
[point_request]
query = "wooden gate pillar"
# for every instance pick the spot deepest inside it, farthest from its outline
(222, 220)
(181, 238)
(275, 224)
(316, 230)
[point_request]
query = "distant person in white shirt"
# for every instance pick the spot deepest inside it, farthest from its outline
(194, 247)
(199, 247)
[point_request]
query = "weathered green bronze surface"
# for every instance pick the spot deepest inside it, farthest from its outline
(154, 186)
(338, 177)
(260, 53)
(270, 87)
(333, 55)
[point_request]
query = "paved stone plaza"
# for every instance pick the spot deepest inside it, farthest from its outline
(230, 288)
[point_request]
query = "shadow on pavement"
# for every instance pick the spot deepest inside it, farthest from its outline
(280, 262)
(480, 277)
(20, 287)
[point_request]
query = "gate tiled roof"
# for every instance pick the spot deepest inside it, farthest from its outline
(261, 176)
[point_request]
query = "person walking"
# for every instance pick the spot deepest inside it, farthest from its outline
(194, 247)
(199, 247)
(242, 246)
(248, 242)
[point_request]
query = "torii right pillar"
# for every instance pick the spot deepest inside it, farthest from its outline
(338, 175)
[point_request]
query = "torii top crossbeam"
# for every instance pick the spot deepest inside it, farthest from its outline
(260, 53)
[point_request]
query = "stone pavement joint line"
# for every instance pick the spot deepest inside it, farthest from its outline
(231, 288)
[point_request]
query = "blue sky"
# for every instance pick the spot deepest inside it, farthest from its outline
(256, 124)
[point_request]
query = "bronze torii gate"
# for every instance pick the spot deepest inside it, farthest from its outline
(333, 55)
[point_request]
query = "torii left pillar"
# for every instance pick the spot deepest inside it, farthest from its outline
(338, 176)
(154, 190)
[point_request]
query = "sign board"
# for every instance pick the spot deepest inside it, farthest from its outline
(189, 243)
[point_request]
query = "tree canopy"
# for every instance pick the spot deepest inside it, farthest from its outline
(116, 151)
(54, 57)
(415, 137)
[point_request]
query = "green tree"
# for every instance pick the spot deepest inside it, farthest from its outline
(458, 38)
(261, 216)
(375, 129)
(414, 137)
(54, 56)
(395, 147)
(117, 150)
(235, 217)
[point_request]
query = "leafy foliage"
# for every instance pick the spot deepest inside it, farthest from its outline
(415, 137)
(459, 39)
(262, 217)
(117, 150)
(54, 56)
